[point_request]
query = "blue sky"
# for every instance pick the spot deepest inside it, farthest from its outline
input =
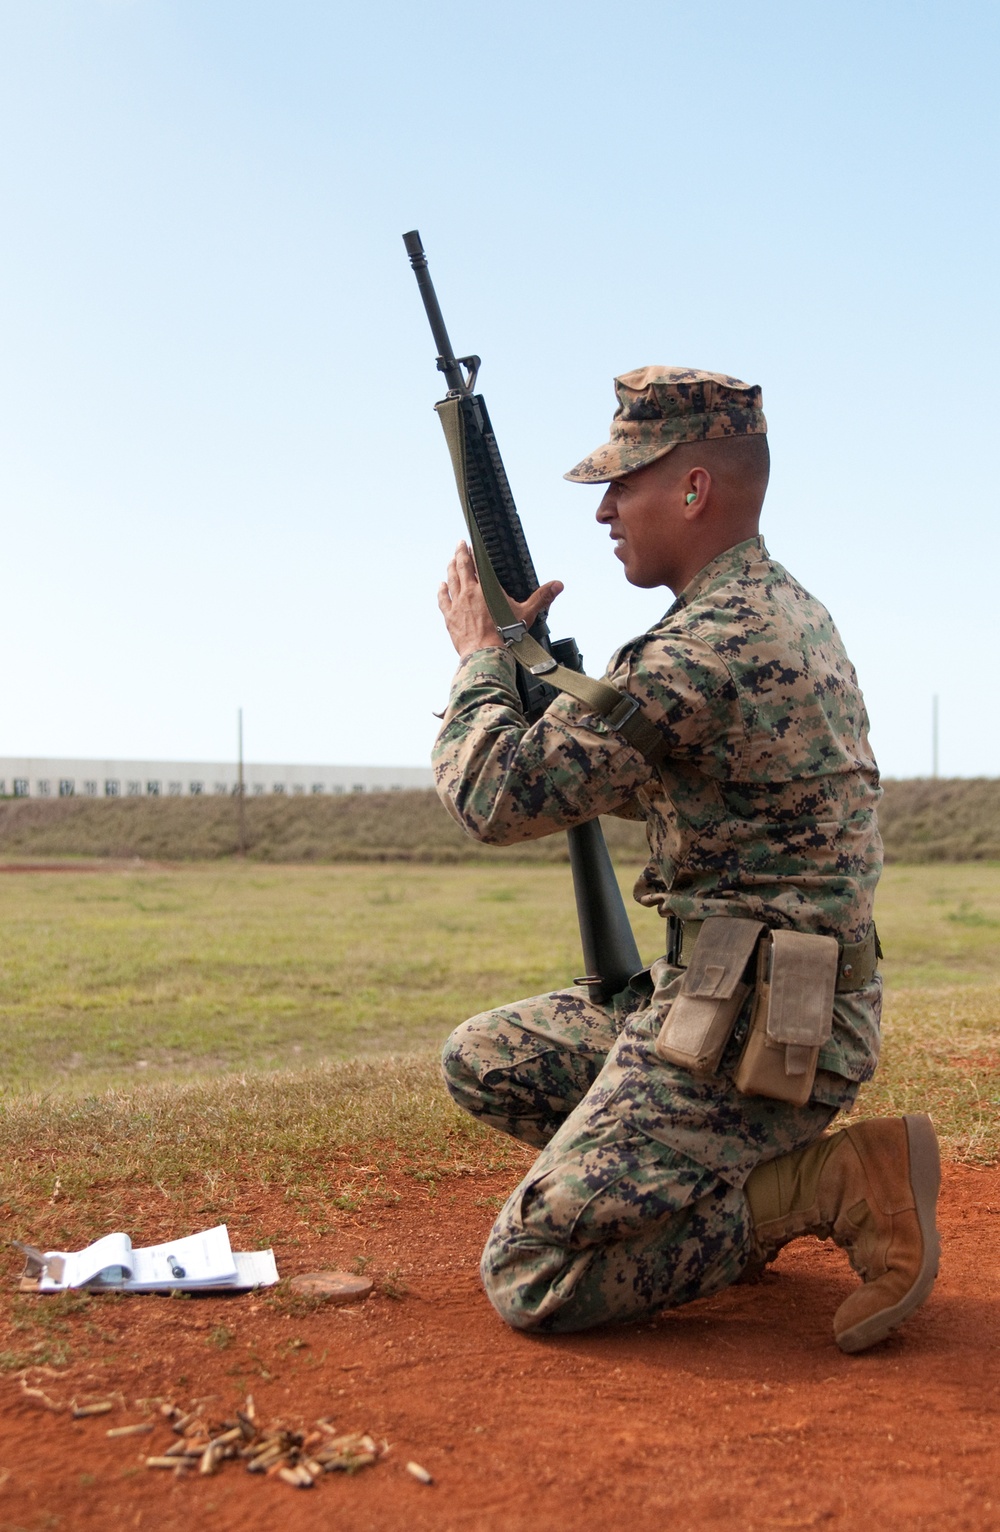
(222, 480)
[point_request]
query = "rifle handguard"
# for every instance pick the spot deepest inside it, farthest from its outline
(620, 710)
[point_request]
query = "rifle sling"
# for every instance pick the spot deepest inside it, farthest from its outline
(619, 710)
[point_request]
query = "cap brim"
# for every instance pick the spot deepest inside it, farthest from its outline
(616, 459)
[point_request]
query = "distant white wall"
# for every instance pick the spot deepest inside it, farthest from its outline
(32, 777)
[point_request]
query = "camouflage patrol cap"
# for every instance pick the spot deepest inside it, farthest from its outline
(660, 407)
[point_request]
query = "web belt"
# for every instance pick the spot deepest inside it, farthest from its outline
(857, 967)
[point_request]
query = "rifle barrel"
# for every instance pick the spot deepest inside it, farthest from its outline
(446, 355)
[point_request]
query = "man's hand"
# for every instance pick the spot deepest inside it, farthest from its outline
(466, 615)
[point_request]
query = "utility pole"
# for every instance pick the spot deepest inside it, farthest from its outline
(934, 736)
(241, 786)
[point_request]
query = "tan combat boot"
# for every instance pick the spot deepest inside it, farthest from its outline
(873, 1189)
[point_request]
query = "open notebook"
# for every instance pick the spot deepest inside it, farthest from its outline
(199, 1262)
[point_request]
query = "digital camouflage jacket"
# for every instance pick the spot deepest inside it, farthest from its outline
(765, 804)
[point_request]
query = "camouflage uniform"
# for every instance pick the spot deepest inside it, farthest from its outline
(764, 807)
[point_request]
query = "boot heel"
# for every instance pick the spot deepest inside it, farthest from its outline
(925, 1182)
(925, 1178)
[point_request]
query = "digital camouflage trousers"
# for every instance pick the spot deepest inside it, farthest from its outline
(635, 1203)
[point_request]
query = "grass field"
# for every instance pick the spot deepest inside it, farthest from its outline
(112, 975)
(156, 982)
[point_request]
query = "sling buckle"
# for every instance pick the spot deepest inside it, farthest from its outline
(622, 712)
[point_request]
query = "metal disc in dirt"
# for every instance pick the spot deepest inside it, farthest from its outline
(334, 1286)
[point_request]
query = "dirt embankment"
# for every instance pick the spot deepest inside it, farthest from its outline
(922, 821)
(362, 827)
(942, 821)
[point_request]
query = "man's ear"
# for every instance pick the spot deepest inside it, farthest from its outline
(696, 487)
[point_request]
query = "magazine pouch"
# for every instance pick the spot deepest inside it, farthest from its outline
(792, 1017)
(701, 1017)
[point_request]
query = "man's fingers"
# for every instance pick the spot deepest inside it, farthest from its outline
(457, 576)
(461, 571)
(539, 600)
(462, 588)
(463, 605)
(465, 563)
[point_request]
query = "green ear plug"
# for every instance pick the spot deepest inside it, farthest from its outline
(692, 496)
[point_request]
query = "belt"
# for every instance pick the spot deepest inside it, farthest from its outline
(857, 967)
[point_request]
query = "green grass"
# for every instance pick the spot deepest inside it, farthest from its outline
(144, 1008)
(111, 976)
(254, 1127)
(108, 976)
(940, 924)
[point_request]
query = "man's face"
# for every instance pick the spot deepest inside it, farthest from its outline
(644, 512)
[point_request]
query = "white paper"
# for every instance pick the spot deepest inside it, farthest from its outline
(255, 1268)
(204, 1259)
(113, 1254)
(196, 1260)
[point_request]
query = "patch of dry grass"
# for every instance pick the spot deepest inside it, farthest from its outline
(941, 1054)
(257, 1127)
(327, 1138)
(335, 1129)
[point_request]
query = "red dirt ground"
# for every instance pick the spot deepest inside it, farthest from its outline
(738, 1412)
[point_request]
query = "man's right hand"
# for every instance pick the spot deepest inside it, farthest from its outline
(467, 617)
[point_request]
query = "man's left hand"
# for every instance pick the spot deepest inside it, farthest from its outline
(466, 615)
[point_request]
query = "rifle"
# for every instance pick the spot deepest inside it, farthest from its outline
(505, 570)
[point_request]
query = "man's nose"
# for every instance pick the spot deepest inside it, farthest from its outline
(606, 509)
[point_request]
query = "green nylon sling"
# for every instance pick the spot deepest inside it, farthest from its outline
(619, 710)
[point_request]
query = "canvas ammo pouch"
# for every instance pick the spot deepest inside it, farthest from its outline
(702, 1016)
(792, 1016)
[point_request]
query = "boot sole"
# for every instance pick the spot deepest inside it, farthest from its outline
(925, 1179)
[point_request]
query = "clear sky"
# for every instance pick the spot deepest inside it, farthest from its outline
(222, 479)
